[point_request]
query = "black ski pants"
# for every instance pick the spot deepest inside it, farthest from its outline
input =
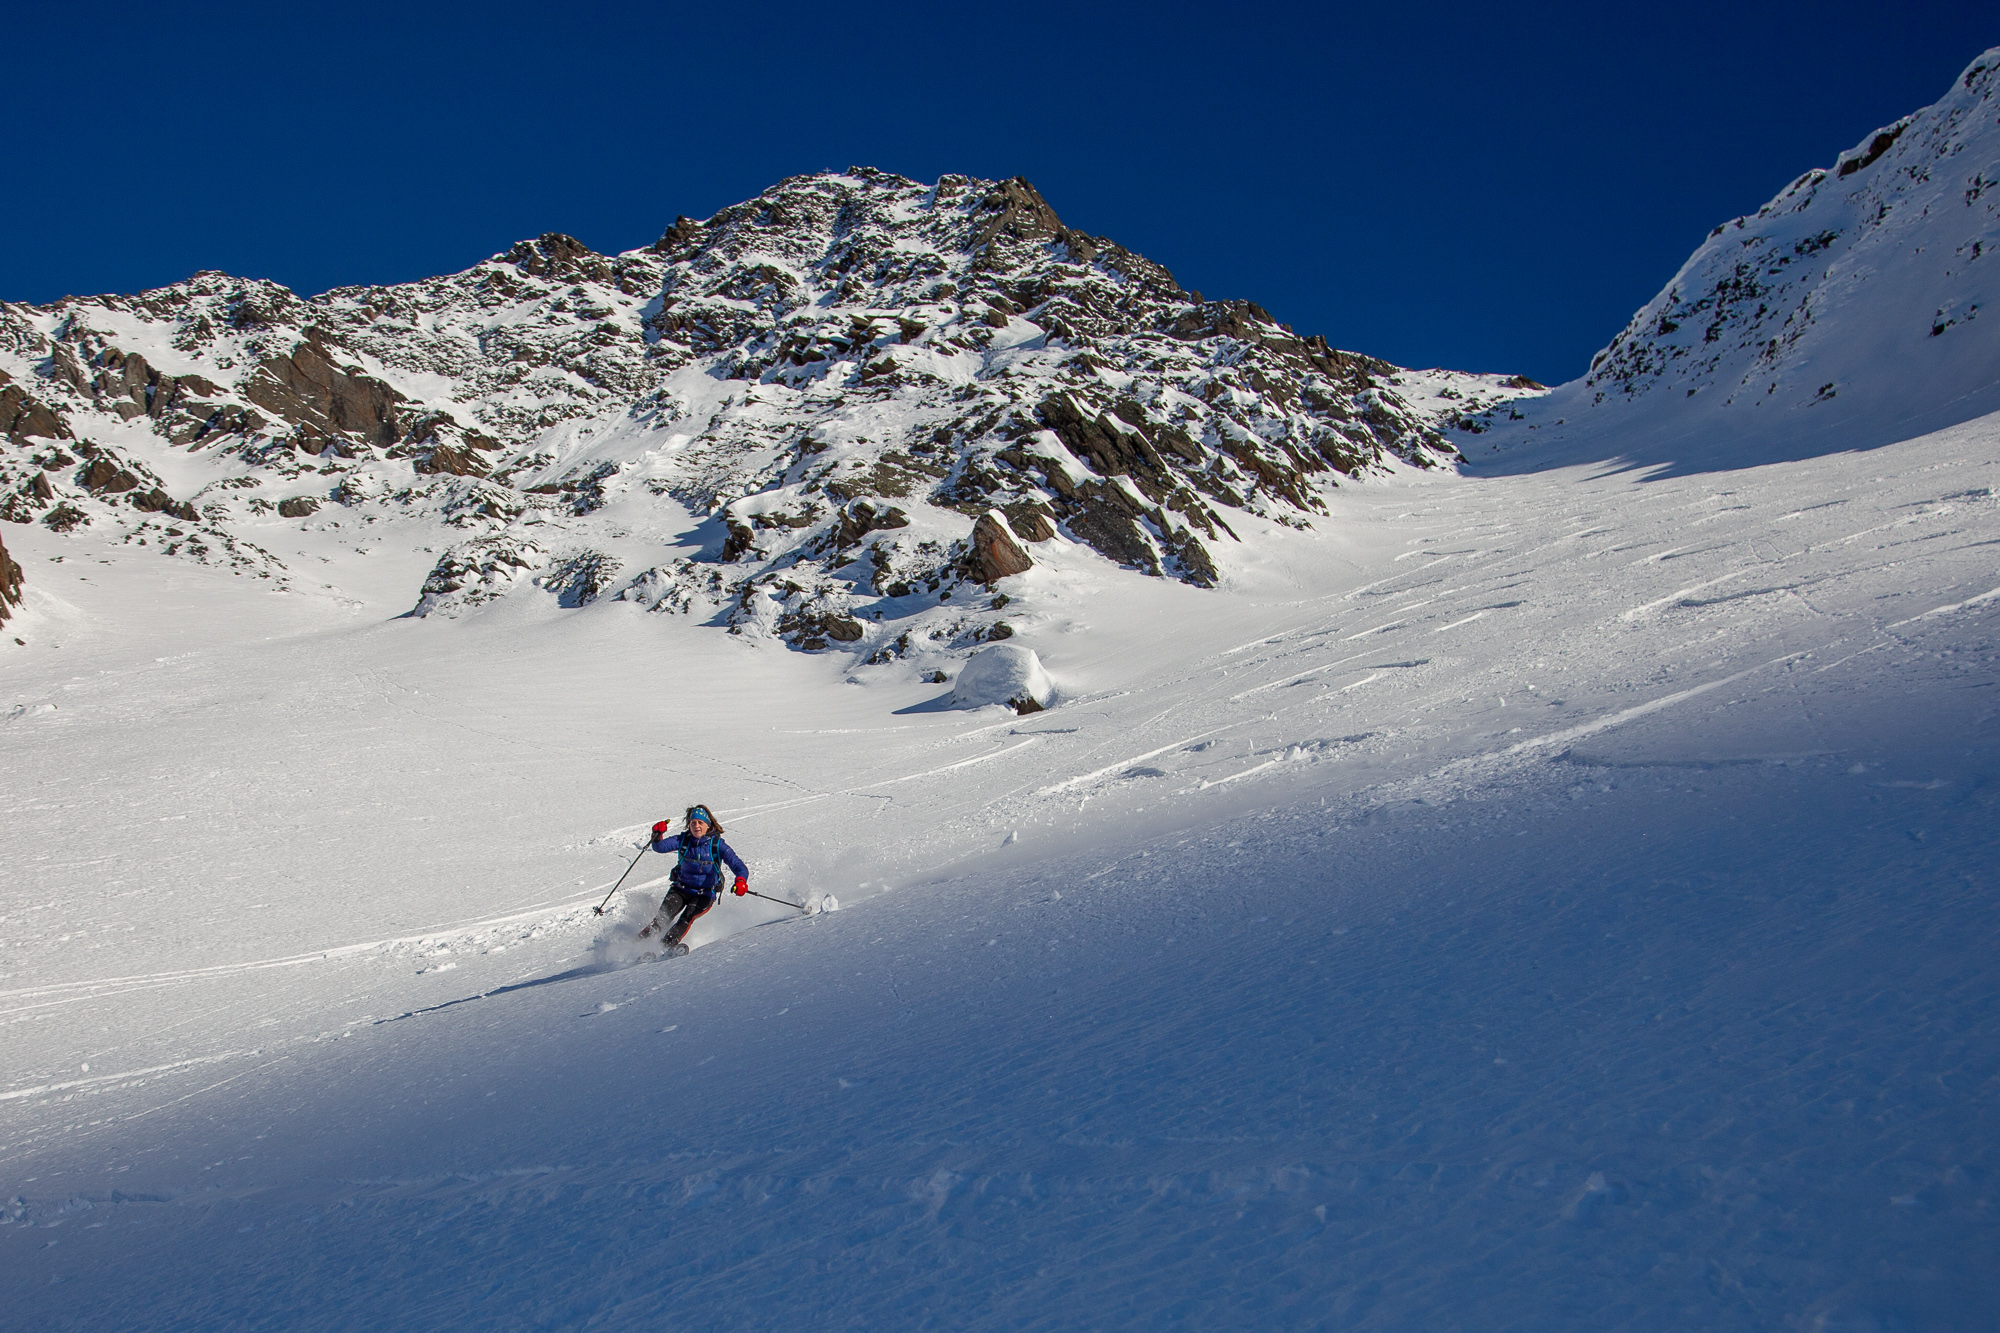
(678, 912)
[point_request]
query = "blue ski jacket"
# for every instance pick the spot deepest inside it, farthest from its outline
(701, 862)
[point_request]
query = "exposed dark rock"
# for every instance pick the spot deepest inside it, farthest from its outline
(1115, 533)
(580, 579)
(740, 541)
(895, 476)
(106, 475)
(65, 517)
(324, 402)
(889, 652)
(11, 580)
(122, 382)
(157, 501)
(554, 255)
(677, 237)
(22, 415)
(171, 392)
(811, 629)
(996, 552)
(786, 518)
(457, 462)
(102, 476)
(1016, 211)
(299, 506)
(20, 504)
(63, 362)
(250, 313)
(1877, 146)
(1196, 565)
(587, 493)
(1030, 521)
(1246, 321)
(1113, 447)
(861, 518)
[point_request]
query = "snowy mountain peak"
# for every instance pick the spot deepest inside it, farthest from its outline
(785, 417)
(554, 255)
(1844, 309)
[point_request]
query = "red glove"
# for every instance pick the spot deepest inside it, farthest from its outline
(742, 886)
(660, 830)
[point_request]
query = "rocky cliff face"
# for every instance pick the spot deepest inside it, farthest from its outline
(840, 376)
(1857, 304)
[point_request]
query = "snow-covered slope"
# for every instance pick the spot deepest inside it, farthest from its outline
(1855, 309)
(1555, 901)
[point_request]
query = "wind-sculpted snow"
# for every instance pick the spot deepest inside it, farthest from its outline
(838, 376)
(1845, 313)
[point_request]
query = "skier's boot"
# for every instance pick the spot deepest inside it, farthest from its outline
(675, 938)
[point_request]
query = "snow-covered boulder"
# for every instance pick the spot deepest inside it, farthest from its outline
(1004, 673)
(478, 571)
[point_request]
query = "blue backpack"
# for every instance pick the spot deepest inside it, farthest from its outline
(696, 867)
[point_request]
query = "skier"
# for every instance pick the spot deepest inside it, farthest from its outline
(696, 876)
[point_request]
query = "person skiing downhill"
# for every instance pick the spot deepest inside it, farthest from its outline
(696, 876)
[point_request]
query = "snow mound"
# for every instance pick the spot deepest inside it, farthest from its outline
(1004, 673)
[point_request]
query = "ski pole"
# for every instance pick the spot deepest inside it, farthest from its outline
(769, 899)
(599, 909)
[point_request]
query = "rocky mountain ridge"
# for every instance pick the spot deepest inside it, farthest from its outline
(1847, 308)
(840, 376)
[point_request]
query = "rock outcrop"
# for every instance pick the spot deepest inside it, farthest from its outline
(996, 551)
(479, 571)
(23, 417)
(330, 407)
(11, 580)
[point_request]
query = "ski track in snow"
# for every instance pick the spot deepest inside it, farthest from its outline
(141, 981)
(1330, 1002)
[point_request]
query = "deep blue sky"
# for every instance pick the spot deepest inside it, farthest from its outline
(1455, 184)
